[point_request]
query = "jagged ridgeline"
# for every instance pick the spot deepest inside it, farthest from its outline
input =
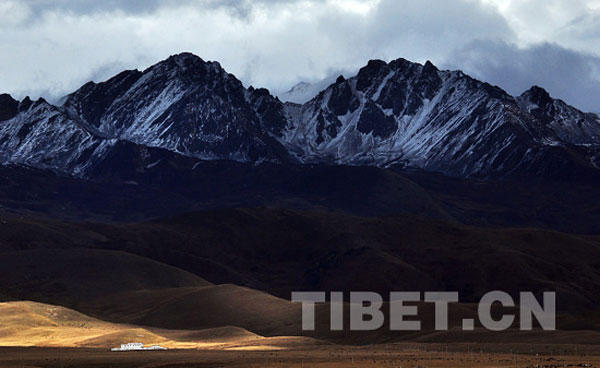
(397, 113)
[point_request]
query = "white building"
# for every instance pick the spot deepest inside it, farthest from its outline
(137, 346)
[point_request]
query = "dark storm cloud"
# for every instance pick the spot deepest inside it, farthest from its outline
(569, 75)
(240, 8)
(38, 7)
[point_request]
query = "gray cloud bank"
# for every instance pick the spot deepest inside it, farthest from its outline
(566, 74)
(50, 47)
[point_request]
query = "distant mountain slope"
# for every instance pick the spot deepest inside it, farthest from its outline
(398, 113)
(136, 183)
(305, 91)
(564, 122)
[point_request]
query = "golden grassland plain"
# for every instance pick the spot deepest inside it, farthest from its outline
(42, 335)
(32, 324)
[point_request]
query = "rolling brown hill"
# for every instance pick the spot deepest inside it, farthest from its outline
(36, 324)
(279, 251)
(201, 308)
(75, 276)
(183, 311)
(26, 323)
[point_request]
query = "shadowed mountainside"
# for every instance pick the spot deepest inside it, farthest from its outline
(279, 251)
(129, 191)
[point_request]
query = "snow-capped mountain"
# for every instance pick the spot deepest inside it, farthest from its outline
(182, 104)
(566, 123)
(304, 91)
(437, 120)
(41, 135)
(397, 113)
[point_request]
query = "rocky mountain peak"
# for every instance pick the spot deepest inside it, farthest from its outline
(8, 107)
(429, 68)
(565, 123)
(537, 96)
(367, 73)
(184, 61)
(186, 68)
(25, 104)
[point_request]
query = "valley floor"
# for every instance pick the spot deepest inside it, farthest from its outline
(396, 355)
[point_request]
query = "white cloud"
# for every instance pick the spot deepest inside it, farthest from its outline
(53, 46)
(13, 13)
(560, 21)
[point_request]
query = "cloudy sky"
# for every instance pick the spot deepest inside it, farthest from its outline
(50, 47)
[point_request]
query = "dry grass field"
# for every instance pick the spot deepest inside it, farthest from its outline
(30, 324)
(402, 355)
(42, 335)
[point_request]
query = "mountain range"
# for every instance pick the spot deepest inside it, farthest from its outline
(178, 199)
(396, 114)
